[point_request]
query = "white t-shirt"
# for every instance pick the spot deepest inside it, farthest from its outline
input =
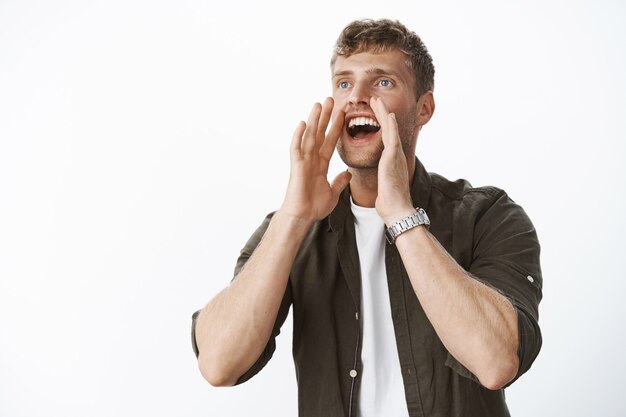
(382, 389)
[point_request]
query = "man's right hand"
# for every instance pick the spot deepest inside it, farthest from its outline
(310, 197)
(233, 329)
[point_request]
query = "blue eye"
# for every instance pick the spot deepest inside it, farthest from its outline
(385, 83)
(344, 84)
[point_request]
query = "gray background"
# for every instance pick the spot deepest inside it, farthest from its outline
(141, 142)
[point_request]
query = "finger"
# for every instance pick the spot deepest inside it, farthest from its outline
(388, 124)
(327, 110)
(380, 110)
(296, 141)
(392, 152)
(340, 182)
(392, 128)
(330, 141)
(382, 114)
(308, 141)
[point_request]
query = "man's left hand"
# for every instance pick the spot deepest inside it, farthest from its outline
(394, 199)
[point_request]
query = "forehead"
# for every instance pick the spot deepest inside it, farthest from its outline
(392, 62)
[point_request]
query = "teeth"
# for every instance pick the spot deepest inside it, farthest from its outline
(360, 121)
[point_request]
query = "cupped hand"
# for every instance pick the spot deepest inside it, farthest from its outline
(393, 201)
(310, 196)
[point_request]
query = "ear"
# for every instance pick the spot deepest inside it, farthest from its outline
(425, 108)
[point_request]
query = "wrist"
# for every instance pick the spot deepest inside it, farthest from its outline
(414, 220)
(292, 222)
(398, 215)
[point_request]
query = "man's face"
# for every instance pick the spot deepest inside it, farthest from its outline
(358, 78)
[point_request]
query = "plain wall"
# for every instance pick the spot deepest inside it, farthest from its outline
(141, 142)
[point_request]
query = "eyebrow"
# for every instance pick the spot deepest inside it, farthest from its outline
(375, 71)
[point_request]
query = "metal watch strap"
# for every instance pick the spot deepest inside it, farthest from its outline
(419, 218)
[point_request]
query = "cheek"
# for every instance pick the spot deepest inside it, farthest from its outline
(338, 94)
(391, 101)
(340, 99)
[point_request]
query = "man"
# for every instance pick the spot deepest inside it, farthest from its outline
(412, 295)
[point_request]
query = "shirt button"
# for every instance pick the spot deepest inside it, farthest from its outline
(530, 279)
(353, 374)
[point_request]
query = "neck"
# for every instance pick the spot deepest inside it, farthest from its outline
(364, 186)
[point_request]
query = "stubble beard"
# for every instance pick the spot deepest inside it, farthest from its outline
(360, 159)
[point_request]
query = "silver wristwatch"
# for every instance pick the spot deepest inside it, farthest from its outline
(419, 218)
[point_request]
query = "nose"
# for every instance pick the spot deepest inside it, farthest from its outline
(359, 95)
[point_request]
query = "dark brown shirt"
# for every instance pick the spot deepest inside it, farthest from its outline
(488, 235)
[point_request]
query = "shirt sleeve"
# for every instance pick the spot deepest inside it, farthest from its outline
(506, 254)
(283, 311)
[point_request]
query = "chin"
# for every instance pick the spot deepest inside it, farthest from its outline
(360, 159)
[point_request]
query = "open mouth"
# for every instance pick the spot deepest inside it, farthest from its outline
(361, 127)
